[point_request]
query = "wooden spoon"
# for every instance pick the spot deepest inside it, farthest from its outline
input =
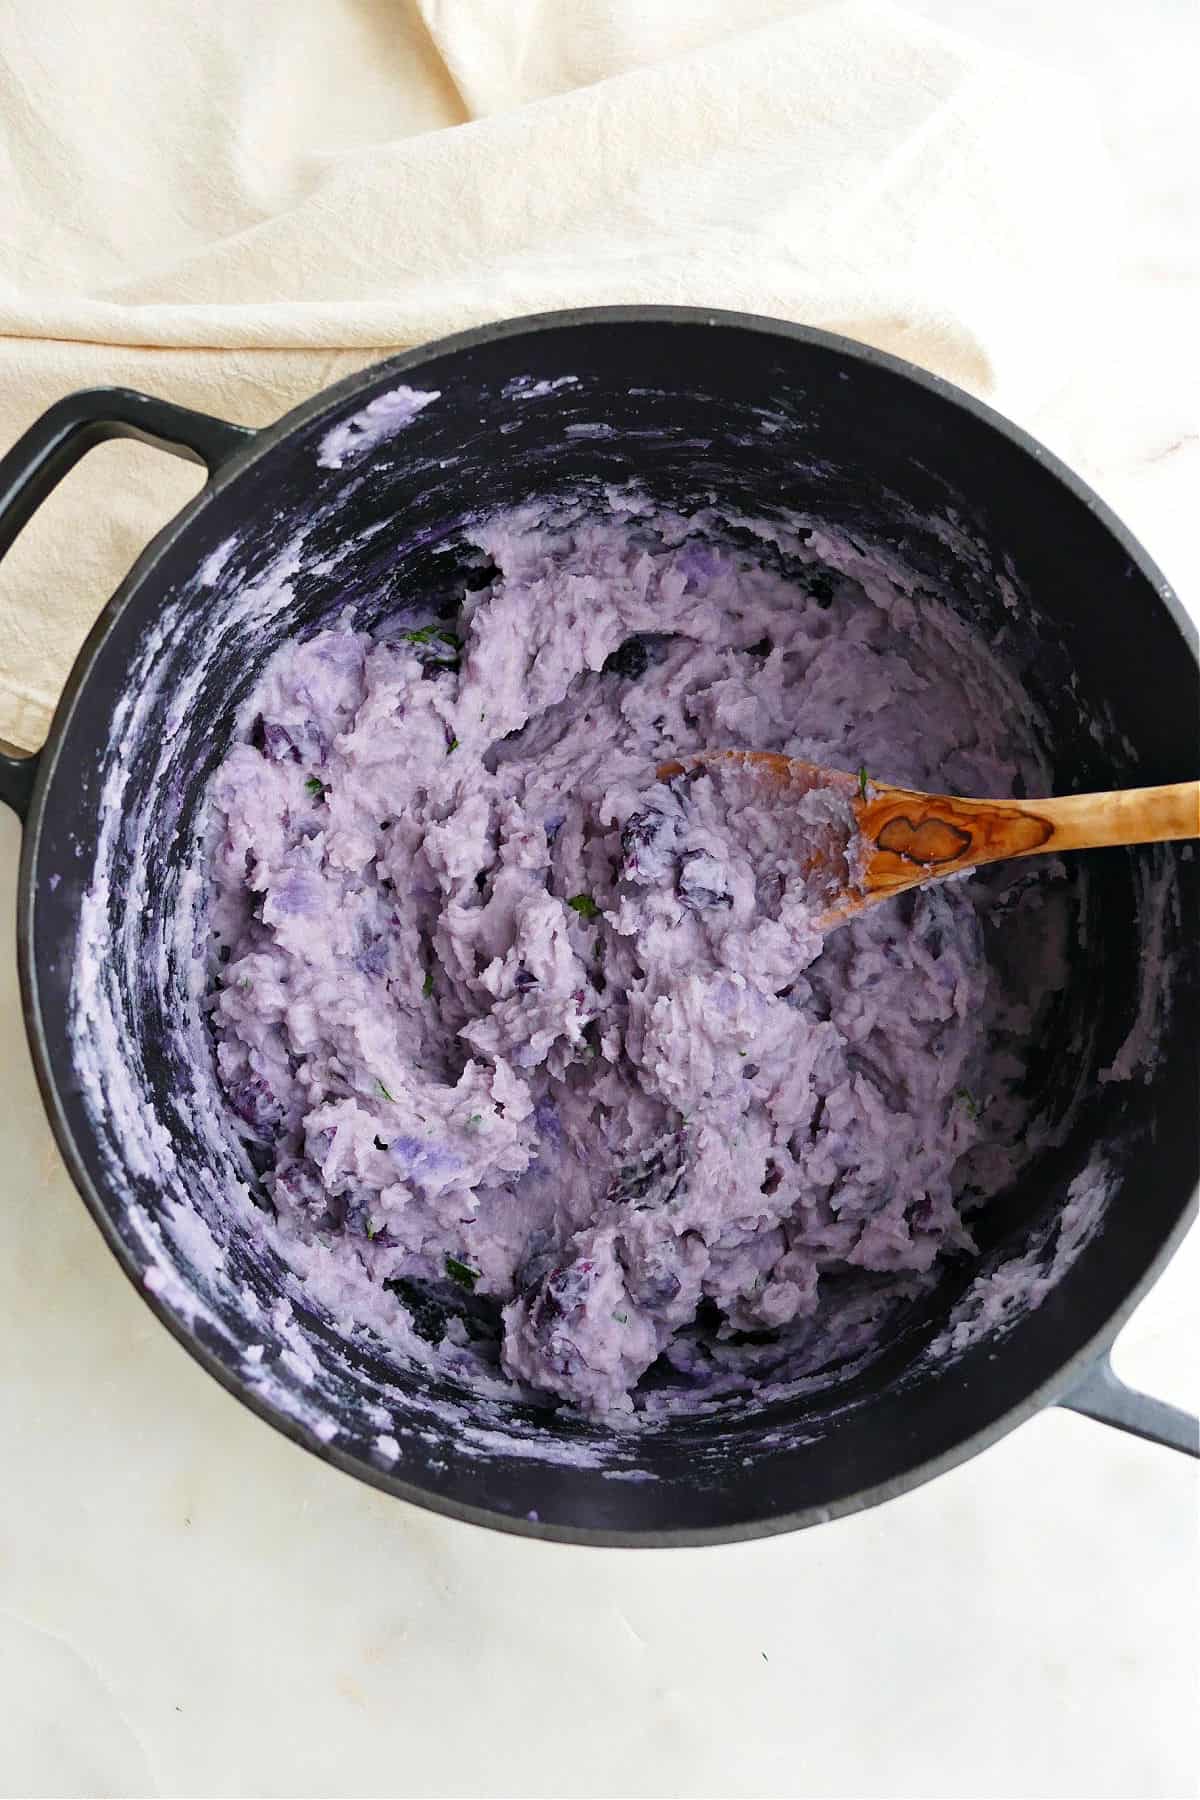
(909, 837)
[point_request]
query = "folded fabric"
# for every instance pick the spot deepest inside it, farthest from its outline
(267, 198)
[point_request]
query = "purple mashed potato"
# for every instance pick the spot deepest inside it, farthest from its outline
(550, 1054)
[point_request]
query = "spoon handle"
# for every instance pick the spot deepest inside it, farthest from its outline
(910, 836)
(1126, 816)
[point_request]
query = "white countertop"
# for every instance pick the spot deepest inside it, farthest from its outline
(191, 1605)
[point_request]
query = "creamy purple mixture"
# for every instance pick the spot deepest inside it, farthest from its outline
(547, 1056)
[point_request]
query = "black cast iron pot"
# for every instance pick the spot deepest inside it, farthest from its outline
(687, 404)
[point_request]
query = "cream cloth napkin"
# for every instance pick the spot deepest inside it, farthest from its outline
(235, 204)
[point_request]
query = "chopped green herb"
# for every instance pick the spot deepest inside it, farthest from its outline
(621, 1318)
(383, 1090)
(862, 781)
(741, 1053)
(584, 905)
(245, 984)
(451, 746)
(969, 1101)
(374, 1227)
(315, 786)
(433, 634)
(427, 985)
(463, 1273)
(475, 1119)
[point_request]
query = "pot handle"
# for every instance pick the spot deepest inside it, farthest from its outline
(1104, 1396)
(52, 446)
